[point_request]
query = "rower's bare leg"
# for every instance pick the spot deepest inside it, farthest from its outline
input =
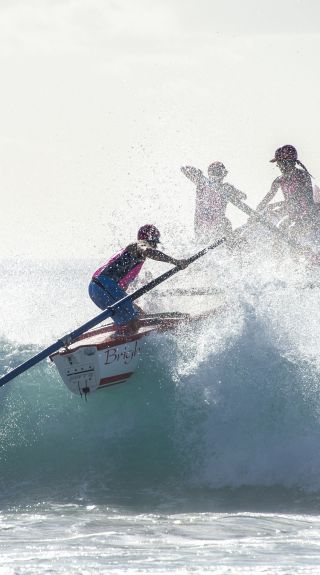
(132, 326)
(139, 309)
(126, 329)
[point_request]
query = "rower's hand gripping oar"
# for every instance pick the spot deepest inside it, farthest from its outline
(108, 312)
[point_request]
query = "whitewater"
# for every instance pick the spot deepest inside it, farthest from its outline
(206, 461)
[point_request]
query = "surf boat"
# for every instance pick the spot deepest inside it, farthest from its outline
(103, 358)
(78, 354)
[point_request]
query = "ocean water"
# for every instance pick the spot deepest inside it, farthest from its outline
(206, 461)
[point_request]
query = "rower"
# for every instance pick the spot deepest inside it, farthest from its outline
(299, 209)
(212, 198)
(110, 281)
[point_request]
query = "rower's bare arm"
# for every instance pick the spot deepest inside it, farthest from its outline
(268, 197)
(161, 257)
(194, 174)
(237, 194)
(241, 195)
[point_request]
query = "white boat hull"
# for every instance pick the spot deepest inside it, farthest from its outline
(100, 359)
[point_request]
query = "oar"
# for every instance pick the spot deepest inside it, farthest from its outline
(263, 220)
(189, 292)
(109, 311)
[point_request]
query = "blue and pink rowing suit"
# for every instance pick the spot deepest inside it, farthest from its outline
(110, 281)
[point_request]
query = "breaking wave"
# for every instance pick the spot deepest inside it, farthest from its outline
(229, 401)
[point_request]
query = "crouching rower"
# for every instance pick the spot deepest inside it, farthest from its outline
(110, 282)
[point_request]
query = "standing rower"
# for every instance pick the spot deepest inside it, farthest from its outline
(212, 198)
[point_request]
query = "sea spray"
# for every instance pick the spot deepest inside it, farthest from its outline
(230, 400)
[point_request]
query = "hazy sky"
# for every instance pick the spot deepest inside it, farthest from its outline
(102, 101)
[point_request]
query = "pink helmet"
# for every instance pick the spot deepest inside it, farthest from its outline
(217, 170)
(149, 233)
(286, 152)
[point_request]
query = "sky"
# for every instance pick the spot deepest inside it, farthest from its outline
(102, 102)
